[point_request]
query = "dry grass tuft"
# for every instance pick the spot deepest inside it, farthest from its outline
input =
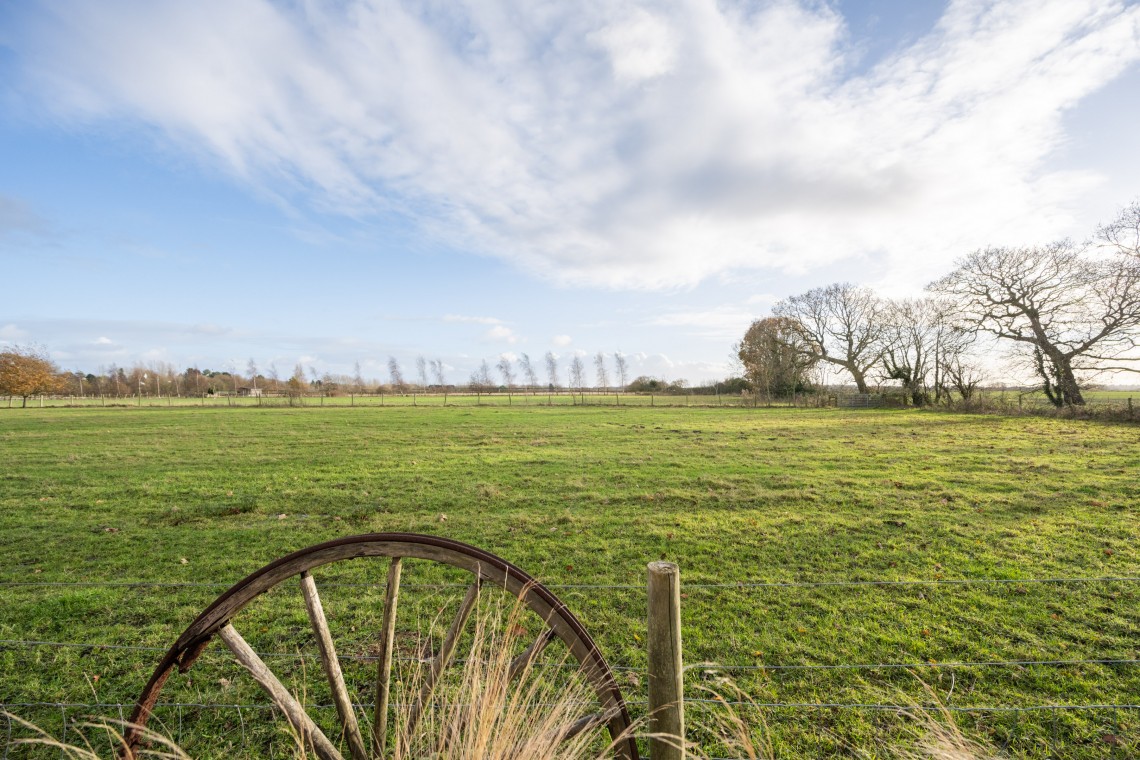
(478, 713)
(939, 738)
(154, 744)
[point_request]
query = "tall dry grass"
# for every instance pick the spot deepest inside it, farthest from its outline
(477, 712)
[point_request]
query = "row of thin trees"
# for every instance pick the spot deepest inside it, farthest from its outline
(601, 372)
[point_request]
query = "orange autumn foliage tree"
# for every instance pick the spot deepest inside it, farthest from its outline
(26, 372)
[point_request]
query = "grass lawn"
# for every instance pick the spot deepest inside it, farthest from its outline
(588, 496)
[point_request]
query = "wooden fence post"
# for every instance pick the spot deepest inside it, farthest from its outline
(666, 680)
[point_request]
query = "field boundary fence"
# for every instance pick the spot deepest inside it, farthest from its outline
(1045, 718)
(1114, 405)
(695, 397)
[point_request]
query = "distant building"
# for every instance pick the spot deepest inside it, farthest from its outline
(249, 391)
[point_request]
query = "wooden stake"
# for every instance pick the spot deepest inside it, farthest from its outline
(666, 681)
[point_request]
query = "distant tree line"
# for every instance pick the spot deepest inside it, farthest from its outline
(28, 371)
(1068, 312)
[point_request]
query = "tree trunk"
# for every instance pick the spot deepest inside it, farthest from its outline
(1070, 391)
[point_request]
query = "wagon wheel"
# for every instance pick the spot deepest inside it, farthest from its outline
(486, 568)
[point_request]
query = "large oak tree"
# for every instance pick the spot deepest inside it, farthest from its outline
(843, 325)
(1072, 313)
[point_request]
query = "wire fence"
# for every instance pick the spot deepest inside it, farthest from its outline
(1048, 727)
(707, 397)
(78, 716)
(623, 586)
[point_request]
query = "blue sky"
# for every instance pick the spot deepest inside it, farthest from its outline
(326, 183)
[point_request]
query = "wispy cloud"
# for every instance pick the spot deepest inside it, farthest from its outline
(19, 221)
(475, 320)
(721, 323)
(617, 144)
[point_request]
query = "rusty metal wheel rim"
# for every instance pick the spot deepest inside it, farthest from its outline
(486, 567)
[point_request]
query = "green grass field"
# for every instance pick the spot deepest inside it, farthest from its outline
(587, 496)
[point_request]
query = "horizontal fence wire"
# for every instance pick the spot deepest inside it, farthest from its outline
(712, 666)
(706, 666)
(634, 702)
(905, 708)
(291, 655)
(255, 706)
(738, 584)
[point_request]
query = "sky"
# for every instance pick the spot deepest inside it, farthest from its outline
(325, 183)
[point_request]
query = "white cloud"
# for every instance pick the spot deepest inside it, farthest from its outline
(613, 144)
(11, 332)
(104, 341)
(640, 46)
(562, 340)
(501, 333)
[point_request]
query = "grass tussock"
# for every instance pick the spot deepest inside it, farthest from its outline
(155, 745)
(939, 738)
(477, 712)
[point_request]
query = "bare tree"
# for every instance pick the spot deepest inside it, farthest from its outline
(506, 370)
(1071, 314)
(481, 381)
(528, 371)
(440, 380)
(843, 325)
(621, 366)
(357, 377)
(421, 371)
(924, 347)
(1123, 233)
(395, 376)
(962, 373)
(602, 376)
(274, 376)
(296, 382)
(251, 370)
(552, 368)
(577, 373)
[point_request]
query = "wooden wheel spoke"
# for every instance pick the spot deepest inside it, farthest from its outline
(384, 663)
(527, 658)
(309, 732)
(443, 659)
(332, 669)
